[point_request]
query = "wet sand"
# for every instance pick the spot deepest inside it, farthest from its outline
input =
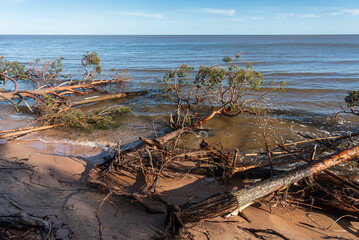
(48, 180)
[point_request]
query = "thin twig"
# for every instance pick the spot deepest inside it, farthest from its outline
(98, 213)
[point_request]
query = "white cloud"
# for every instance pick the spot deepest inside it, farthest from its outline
(228, 12)
(285, 15)
(352, 12)
(308, 15)
(141, 14)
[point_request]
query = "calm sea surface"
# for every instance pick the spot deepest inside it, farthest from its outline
(319, 71)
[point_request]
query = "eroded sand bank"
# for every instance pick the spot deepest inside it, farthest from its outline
(48, 180)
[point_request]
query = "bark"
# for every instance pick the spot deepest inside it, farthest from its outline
(106, 97)
(44, 91)
(26, 131)
(333, 207)
(219, 204)
(342, 180)
(24, 221)
(161, 140)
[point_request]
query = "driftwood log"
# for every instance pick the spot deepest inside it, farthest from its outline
(106, 97)
(24, 221)
(222, 203)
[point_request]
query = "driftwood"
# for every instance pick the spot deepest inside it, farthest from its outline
(222, 203)
(57, 91)
(24, 221)
(62, 106)
(18, 132)
(23, 226)
(106, 97)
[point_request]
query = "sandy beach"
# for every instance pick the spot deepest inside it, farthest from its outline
(48, 180)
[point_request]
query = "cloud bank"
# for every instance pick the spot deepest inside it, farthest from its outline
(227, 12)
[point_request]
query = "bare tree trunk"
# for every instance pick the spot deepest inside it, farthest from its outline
(27, 130)
(106, 97)
(219, 204)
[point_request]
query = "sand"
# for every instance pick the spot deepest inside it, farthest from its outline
(48, 180)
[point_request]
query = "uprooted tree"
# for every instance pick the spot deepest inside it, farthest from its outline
(50, 97)
(227, 90)
(352, 100)
(221, 90)
(216, 90)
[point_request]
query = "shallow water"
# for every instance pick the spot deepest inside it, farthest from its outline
(319, 71)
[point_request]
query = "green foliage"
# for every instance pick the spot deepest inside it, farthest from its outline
(92, 60)
(41, 70)
(119, 75)
(12, 69)
(102, 118)
(50, 72)
(209, 76)
(181, 74)
(280, 86)
(227, 59)
(228, 89)
(55, 66)
(352, 99)
(233, 75)
(224, 84)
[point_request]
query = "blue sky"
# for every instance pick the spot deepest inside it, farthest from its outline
(179, 17)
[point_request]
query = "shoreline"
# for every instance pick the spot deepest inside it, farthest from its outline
(49, 180)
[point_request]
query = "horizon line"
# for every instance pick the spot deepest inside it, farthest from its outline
(271, 34)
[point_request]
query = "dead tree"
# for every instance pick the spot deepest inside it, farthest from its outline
(51, 83)
(51, 95)
(222, 203)
(228, 90)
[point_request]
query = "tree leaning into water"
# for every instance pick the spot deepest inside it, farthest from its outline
(50, 97)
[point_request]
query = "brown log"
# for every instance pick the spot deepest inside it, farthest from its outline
(106, 97)
(44, 91)
(334, 207)
(164, 139)
(26, 131)
(219, 204)
(24, 221)
(342, 180)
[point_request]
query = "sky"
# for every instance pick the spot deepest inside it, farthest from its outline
(179, 17)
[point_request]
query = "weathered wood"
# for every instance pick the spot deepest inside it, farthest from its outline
(26, 131)
(106, 97)
(219, 204)
(334, 207)
(51, 90)
(164, 139)
(24, 221)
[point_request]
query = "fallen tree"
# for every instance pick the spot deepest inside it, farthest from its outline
(52, 99)
(24, 226)
(223, 203)
(215, 91)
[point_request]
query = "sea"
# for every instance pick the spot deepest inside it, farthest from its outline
(319, 70)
